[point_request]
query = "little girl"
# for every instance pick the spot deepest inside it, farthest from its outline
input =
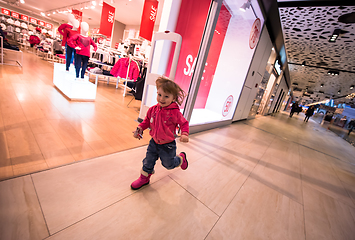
(162, 119)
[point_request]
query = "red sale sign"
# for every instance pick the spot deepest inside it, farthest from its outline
(41, 23)
(24, 17)
(78, 16)
(5, 11)
(227, 106)
(190, 25)
(15, 14)
(33, 20)
(107, 19)
(48, 25)
(254, 33)
(149, 16)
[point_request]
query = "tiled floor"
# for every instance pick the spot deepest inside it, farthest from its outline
(267, 178)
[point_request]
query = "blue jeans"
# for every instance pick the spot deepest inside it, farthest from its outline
(69, 56)
(166, 152)
(81, 62)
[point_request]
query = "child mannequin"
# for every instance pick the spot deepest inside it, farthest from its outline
(68, 30)
(81, 43)
(162, 119)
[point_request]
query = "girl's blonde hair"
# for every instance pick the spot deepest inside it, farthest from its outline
(171, 87)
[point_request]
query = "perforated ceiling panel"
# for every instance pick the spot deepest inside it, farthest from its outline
(307, 31)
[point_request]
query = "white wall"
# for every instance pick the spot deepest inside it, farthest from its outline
(233, 65)
(255, 75)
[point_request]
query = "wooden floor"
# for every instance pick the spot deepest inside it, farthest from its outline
(41, 129)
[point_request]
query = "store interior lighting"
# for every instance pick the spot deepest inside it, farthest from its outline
(333, 72)
(22, 1)
(66, 9)
(351, 87)
(245, 6)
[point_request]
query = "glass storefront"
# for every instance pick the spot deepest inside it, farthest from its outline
(226, 65)
(267, 89)
(218, 44)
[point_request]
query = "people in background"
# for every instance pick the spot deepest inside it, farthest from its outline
(351, 126)
(294, 108)
(309, 113)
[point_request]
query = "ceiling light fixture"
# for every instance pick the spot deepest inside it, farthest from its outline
(351, 87)
(93, 3)
(43, 14)
(335, 35)
(245, 6)
(333, 72)
(22, 1)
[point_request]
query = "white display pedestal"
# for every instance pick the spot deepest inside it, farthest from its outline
(75, 90)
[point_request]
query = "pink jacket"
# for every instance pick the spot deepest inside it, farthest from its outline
(82, 42)
(163, 123)
(67, 32)
(121, 67)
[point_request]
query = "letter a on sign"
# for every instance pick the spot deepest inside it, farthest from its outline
(149, 16)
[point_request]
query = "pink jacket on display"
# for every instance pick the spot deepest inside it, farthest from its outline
(163, 123)
(82, 42)
(67, 32)
(121, 67)
(34, 40)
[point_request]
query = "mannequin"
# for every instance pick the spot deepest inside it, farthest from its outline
(81, 43)
(68, 30)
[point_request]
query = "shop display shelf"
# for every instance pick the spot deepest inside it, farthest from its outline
(73, 89)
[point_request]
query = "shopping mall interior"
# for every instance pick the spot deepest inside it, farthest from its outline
(66, 165)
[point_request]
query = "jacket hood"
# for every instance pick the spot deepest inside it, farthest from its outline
(173, 105)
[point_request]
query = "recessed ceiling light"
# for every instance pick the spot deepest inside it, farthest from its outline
(335, 35)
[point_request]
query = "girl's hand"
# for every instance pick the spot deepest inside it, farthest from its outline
(138, 133)
(184, 138)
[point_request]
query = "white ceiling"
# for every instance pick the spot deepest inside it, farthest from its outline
(126, 11)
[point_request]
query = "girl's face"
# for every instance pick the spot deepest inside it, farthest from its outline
(164, 99)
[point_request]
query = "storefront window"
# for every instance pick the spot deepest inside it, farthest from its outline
(227, 63)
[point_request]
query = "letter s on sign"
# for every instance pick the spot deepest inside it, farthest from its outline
(189, 59)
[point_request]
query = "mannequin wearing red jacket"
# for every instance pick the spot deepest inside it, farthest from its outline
(82, 44)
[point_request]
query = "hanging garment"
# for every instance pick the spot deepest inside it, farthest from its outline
(121, 67)
(34, 40)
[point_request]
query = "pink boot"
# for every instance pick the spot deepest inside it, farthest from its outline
(141, 181)
(184, 163)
